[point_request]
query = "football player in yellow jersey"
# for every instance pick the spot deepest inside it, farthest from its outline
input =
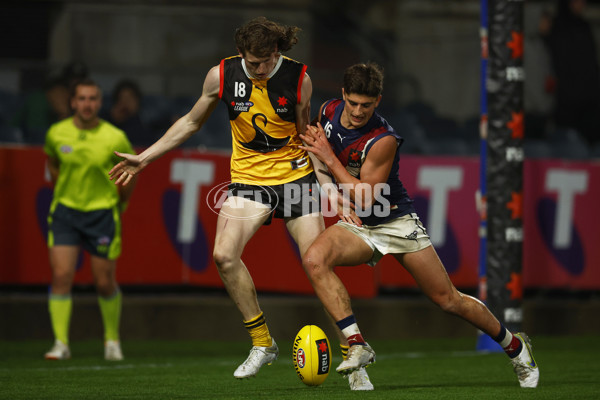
(268, 98)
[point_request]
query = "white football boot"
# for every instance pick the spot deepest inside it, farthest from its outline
(524, 364)
(258, 357)
(358, 356)
(359, 380)
(112, 351)
(59, 351)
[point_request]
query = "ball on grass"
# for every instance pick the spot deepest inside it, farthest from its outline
(312, 355)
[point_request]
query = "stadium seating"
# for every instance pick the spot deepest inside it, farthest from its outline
(537, 148)
(595, 151)
(568, 143)
(10, 134)
(425, 132)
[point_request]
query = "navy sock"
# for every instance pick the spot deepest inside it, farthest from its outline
(346, 322)
(350, 330)
(514, 347)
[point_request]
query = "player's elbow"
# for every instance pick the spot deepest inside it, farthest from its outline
(191, 125)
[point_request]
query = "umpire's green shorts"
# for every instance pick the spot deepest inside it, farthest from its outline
(98, 231)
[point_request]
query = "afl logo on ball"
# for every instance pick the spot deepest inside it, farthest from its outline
(300, 358)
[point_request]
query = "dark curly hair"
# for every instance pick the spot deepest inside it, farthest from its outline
(262, 37)
(365, 79)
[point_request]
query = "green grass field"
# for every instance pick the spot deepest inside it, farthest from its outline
(415, 369)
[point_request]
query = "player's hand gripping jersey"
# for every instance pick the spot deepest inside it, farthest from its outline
(263, 122)
(351, 147)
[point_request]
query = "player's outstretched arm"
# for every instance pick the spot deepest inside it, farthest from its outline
(178, 133)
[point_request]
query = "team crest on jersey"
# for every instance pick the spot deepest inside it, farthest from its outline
(66, 149)
(241, 106)
(262, 141)
(355, 158)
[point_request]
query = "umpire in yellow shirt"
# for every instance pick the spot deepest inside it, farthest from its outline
(85, 213)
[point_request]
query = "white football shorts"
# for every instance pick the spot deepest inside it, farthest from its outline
(401, 235)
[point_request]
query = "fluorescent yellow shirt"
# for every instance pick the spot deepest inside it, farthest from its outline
(85, 157)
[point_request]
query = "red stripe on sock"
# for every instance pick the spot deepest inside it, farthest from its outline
(513, 347)
(356, 339)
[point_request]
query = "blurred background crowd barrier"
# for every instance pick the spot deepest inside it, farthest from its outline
(169, 226)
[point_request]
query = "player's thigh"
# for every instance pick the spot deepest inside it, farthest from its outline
(103, 268)
(238, 221)
(305, 229)
(428, 271)
(63, 260)
(337, 246)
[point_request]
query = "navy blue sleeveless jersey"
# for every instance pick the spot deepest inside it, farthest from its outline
(351, 146)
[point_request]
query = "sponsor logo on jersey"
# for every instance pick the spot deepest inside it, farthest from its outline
(282, 102)
(354, 158)
(66, 149)
(242, 106)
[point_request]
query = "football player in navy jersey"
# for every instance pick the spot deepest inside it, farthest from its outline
(361, 151)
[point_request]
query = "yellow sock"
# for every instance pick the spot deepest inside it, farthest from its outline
(60, 307)
(259, 332)
(110, 308)
(344, 348)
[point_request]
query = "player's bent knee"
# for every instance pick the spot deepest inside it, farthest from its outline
(62, 280)
(221, 257)
(308, 265)
(313, 264)
(225, 260)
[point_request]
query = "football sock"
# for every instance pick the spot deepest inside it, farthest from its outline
(110, 308)
(344, 348)
(349, 328)
(60, 307)
(511, 344)
(259, 332)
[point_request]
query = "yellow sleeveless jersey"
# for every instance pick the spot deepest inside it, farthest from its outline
(263, 122)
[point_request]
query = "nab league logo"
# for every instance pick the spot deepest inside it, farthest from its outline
(241, 106)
